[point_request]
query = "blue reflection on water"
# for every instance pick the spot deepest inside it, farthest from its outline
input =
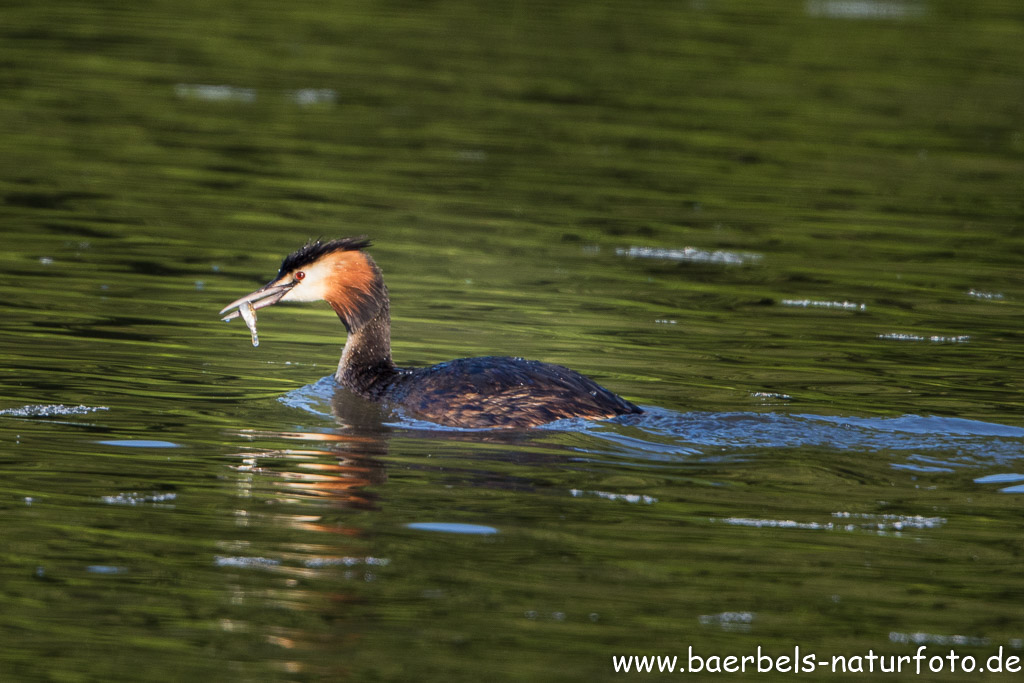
(453, 528)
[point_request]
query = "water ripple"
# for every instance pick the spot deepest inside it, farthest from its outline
(932, 443)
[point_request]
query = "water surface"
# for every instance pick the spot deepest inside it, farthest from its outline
(793, 234)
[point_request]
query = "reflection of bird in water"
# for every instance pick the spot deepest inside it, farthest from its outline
(482, 392)
(335, 467)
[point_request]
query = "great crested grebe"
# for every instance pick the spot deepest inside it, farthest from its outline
(486, 392)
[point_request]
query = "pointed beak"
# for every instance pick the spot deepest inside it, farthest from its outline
(267, 295)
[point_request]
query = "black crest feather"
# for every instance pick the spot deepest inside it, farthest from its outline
(313, 251)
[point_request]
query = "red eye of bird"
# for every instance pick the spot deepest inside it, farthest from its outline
(299, 275)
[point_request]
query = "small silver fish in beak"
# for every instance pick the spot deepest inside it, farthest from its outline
(267, 295)
(248, 312)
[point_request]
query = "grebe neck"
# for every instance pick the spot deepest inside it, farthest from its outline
(366, 366)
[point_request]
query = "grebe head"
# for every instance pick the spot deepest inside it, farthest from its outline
(337, 271)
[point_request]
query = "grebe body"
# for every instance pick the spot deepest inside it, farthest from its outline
(484, 392)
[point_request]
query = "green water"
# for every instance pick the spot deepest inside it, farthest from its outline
(778, 226)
